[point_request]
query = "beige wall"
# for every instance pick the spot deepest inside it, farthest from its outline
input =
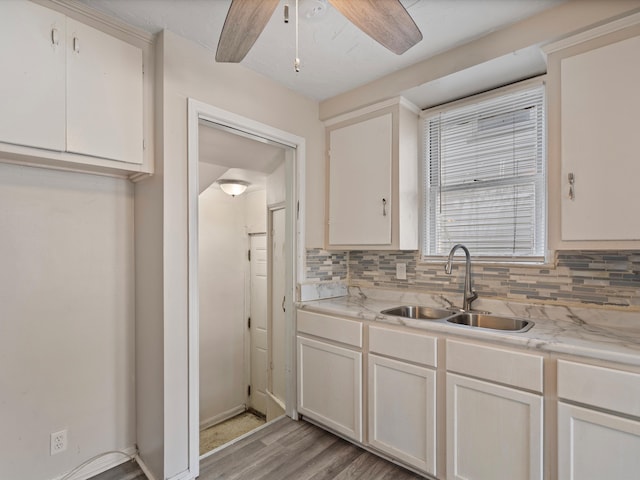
(66, 319)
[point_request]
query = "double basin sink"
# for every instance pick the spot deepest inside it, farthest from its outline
(469, 319)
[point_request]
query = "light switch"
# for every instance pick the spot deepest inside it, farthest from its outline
(401, 271)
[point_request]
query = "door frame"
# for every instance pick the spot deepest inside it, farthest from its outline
(295, 182)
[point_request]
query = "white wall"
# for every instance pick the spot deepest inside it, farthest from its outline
(66, 318)
(222, 264)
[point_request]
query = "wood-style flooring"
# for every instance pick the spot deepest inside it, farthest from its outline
(288, 450)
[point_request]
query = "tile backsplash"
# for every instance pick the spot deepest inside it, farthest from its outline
(606, 278)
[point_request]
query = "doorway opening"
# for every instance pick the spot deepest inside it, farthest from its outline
(245, 271)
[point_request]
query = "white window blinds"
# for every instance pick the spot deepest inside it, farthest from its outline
(485, 177)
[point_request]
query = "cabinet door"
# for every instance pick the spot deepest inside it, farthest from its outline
(32, 55)
(330, 386)
(104, 95)
(360, 159)
(594, 445)
(402, 411)
(600, 143)
(493, 432)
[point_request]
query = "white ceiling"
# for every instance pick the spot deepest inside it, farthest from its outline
(335, 55)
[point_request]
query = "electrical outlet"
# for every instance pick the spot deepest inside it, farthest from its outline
(58, 442)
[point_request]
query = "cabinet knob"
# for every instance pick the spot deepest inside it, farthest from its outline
(384, 207)
(55, 38)
(572, 181)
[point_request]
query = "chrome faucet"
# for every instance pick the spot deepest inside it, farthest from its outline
(469, 293)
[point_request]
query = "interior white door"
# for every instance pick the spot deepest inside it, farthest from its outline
(32, 90)
(258, 329)
(276, 331)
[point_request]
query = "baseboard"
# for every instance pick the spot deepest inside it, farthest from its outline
(144, 468)
(102, 464)
(211, 421)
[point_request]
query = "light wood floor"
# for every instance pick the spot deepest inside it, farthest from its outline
(289, 450)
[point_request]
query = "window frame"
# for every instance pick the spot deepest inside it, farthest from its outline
(537, 260)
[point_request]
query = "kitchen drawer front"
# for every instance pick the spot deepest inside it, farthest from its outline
(601, 387)
(518, 369)
(337, 329)
(413, 347)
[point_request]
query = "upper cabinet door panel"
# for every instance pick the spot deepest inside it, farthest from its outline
(600, 91)
(32, 55)
(360, 162)
(104, 95)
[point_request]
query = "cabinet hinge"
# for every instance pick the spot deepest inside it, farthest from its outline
(298, 210)
(249, 322)
(249, 390)
(249, 255)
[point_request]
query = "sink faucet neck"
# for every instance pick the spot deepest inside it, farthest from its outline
(469, 293)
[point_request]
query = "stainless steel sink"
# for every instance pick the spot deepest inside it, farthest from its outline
(493, 322)
(419, 312)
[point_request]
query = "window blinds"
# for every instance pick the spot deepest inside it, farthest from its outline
(485, 177)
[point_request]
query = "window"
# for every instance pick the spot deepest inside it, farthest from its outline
(484, 176)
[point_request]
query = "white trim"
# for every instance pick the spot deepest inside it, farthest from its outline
(101, 464)
(106, 20)
(611, 27)
(197, 110)
(221, 417)
(144, 468)
(238, 439)
(373, 108)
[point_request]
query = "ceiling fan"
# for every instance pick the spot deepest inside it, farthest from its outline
(386, 21)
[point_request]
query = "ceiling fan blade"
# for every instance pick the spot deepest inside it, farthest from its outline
(244, 23)
(386, 21)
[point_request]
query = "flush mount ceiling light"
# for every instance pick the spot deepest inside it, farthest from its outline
(233, 187)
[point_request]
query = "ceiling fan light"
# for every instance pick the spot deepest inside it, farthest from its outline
(233, 187)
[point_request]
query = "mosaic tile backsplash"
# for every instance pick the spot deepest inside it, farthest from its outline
(605, 278)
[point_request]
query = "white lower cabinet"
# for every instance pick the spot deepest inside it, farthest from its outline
(494, 431)
(330, 386)
(402, 411)
(402, 395)
(593, 444)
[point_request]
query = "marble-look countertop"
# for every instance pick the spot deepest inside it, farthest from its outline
(597, 333)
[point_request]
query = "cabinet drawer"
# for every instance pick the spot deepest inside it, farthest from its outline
(521, 370)
(332, 328)
(409, 346)
(602, 387)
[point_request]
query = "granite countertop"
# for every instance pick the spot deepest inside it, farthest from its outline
(597, 333)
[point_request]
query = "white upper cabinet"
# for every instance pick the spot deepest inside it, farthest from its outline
(372, 199)
(594, 102)
(71, 95)
(600, 143)
(104, 95)
(32, 84)
(360, 183)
